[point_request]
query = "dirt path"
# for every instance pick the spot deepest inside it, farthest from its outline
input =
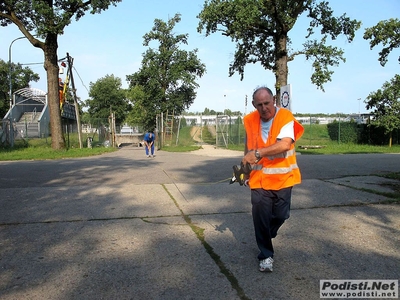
(195, 133)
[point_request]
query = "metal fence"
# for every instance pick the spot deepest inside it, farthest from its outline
(218, 130)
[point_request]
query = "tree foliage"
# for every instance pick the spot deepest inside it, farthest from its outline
(166, 81)
(20, 78)
(387, 33)
(260, 29)
(107, 95)
(386, 105)
(139, 114)
(41, 21)
(385, 101)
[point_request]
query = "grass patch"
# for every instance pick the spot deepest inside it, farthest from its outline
(317, 135)
(335, 148)
(185, 142)
(315, 140)
(395, 175)
(40, 149)
(396, 186)
(208, 138)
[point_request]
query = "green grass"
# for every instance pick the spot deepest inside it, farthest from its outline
(40, 149)
(208, 138)
(316, 135)
(335, 148)
(185, 142)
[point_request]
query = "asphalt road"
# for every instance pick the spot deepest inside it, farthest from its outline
(123, 226)
(189, 168)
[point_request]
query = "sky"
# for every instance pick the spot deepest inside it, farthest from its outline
(111, 43)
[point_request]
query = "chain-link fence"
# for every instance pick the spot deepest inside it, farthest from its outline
(98, 130)
(94, 132)
(218, 130)
(6, 136)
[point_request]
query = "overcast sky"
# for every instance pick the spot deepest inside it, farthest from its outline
(112, 43)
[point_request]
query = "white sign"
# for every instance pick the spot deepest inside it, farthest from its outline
(286, 97)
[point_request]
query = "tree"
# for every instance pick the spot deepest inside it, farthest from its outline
(138, 115)
(20, 78)
(261, 29)
(166, 81)
(209, 112)
(386, 102)
(227, 112)
(107, 95)
(387, 33)
(206, 111)
(44, 20)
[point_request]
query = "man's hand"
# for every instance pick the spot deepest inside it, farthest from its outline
(249, 158)
(280, 146)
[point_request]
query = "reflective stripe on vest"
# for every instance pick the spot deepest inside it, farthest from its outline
(282, 155)
(272, 171)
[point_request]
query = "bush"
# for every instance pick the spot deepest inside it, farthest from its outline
(348, 131)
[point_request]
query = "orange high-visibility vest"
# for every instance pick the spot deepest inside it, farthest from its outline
(278, 171)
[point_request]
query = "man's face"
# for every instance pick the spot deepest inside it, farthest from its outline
(264, 103)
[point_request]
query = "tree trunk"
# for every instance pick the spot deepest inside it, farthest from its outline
(281, 72)
(52, 71)
(390, 139)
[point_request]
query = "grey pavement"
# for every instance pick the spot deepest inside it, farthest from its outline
(123, 226)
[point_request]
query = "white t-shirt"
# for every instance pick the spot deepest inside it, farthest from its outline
(286, 131)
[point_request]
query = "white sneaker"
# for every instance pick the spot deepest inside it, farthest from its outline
(266, 265)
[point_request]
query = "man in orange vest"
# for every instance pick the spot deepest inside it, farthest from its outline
(271, 132)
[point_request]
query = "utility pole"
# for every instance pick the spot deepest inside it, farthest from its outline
(76, 104)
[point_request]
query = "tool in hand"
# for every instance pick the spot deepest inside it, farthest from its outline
(240, 172)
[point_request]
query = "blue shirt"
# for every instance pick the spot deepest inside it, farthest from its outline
(149, 138)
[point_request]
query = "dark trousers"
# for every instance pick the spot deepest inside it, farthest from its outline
(270, 209)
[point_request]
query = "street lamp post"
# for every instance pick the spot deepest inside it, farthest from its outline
(339, 129)
(10, 66)
(225, 105)
(245, 105)
(10, 92)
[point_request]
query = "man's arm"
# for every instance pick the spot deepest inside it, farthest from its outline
(284, 141)
(279, 147)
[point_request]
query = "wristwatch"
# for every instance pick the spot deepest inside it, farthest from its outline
(257, 154)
